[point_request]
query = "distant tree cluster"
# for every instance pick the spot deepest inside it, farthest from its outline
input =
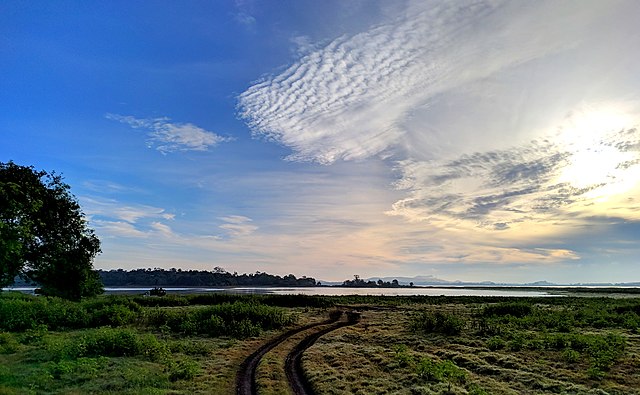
(358, 282)
(199, 278)
(44, 237)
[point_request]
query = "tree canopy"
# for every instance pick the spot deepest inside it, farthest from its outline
(44, 236)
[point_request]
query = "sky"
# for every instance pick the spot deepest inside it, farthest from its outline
(465, 140)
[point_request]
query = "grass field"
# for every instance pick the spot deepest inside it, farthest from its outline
(402, 345)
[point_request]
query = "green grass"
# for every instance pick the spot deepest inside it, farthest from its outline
(403, 345)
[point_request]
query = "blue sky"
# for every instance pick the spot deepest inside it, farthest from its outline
(484, 140)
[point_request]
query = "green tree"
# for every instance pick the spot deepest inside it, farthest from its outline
(43, 234)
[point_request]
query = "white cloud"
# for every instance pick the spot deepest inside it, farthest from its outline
(166, 136)
(302, 45)
(468, 102)
(123, 212)
(112, 218)
(236, 219)
(238, 225)
(162, 229)
(587, 168)
(354, 98)
(118, 229)
(245, 19)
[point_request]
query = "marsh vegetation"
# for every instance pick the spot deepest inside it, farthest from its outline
(402, 345)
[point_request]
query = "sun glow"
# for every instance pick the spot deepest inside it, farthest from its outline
(594, 162)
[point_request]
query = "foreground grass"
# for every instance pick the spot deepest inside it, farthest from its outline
(403, 345)
(476, 348)
(128, 345)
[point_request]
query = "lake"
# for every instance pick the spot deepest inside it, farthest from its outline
(328, 291)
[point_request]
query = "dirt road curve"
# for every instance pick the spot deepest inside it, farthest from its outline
(293, 364)
(246, 379)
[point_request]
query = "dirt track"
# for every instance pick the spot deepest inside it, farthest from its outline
(246, 379)
(293, 363)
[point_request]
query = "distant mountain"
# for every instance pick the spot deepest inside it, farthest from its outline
(542, 283)
(435, 281)
(430, 280)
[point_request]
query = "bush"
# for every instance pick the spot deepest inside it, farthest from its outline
(81, 369)
(446, 370)
(189, 347)
(107, 342)
(514, 309)
(517, 342)
(475, 389)
(402, 356)
(111, 343)
(239, 319)
(112, 311)
(35, 335)
(438, 322)
(184, 369)
(495, 343)
(166, 301)
(19, 314)
(570, 356)
(427, 370)
(8, 343)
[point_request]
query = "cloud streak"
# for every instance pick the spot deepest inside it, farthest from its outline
(237, 226)
(460, 99)
(352, 98)
(166, 136)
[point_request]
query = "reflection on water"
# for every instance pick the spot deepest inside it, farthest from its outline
(328, 291)
(338, 291)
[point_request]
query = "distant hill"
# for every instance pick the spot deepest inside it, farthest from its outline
(435, 281)
(429, 280)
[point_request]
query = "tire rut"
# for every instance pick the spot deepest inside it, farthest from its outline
(293, 364)
(246, 378)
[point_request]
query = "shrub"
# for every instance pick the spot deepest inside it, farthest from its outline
(570, 356)
(189, 347)
(438, 322)
(237, 319)
(184, 369)
(427, 370)
(446, 370)
(475, 389)
(112, 311)
(451, 373)
(402, 356)
(35, 335)
(514, 309)
(19, 314)
(8, 343)
(77, 370)
(595, 373)
(166, 301)
(112, 343)
(517, 343)
(605, 350)
(243, 329)
(107, 342)
(296, 301)
(495, 343)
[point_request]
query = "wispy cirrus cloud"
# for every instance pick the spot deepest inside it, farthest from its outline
(166, 136)
(479, 109)
(112, 218)
(124, 212)
(237, 225)
(354, 98)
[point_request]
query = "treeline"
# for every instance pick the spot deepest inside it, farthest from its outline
(358, 282)
(198, 278)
